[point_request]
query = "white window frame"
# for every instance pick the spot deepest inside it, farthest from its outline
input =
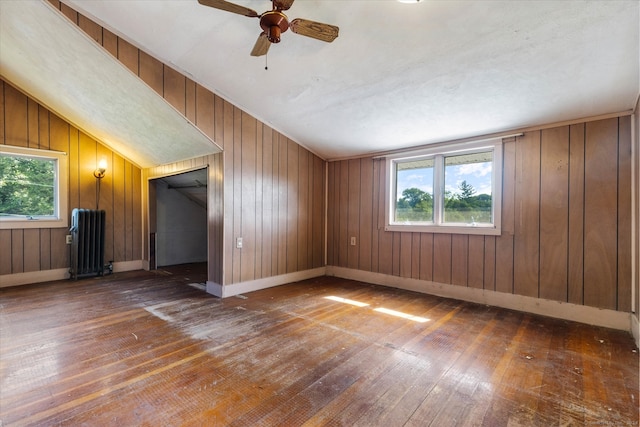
(60, 217)
(439, 153)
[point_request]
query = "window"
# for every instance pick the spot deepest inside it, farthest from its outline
(448, 189)
(33, 188)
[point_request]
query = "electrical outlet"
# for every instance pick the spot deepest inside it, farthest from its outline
(353, 241)
(239, 242)
(69, 239)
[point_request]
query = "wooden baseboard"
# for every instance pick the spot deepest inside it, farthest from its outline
(578, 313)
(268, 282)
(635, 328)
(30, 277)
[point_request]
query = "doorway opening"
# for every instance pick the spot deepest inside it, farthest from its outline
(178, 219)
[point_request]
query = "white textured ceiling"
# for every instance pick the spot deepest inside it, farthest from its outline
(399, 75)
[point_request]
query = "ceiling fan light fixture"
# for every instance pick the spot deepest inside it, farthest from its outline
(274, 34)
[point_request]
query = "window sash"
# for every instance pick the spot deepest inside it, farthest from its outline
(439, 154)
(59, 218)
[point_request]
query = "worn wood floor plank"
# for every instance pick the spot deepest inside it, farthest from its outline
(152, 348)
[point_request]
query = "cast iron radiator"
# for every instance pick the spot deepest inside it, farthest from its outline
(87, 242)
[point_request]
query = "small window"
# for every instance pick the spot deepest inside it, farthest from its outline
(449, 189)
(33, 188)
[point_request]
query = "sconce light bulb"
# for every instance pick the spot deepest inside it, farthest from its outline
(102, 168)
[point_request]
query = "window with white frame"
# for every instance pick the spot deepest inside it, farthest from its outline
(33, 188)
(446, 189)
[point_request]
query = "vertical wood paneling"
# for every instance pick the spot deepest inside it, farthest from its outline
(136, 210)
(275, 240)
(205, 112)
(268, 215)
(190, 100)
(395, 253)
(601, 214)
(343, 212)
(415, 255)
(302, 217)
(17, 251)
(576, 214)
(353, 213)
(33, 132)
(318, 199)
(527, 230)
(459, 259)
(247, 196)
(87, 163)
(366, 214)
(5, 252)
(475, 271)
(237, 190)
(151, 72)
(91, 28)
(2, 112)
(129, 56)
(119, 222)
(504, 242)
(292, 186)
(16, 128)
(332, 212)
(442, 258)
(175, 89)
(43, 128)
(31, 249)
(259, 202)
(60, 255)
(106, 200)
(74, 168)
(69, 13)
(426, 256)
(406, 246)
(45, 249)
(489, 263)
(283, 203)
(624, 216)
(110, 42)
(375, 221)
(129, 210)
(554, 213)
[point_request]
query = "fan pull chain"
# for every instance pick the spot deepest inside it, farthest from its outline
(266, 66)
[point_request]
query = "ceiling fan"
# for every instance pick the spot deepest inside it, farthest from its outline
(274, 22)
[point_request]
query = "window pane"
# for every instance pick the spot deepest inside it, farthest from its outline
(27, 186)
(467, 182)
(414, 191)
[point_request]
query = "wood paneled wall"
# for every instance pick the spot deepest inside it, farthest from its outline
(25, 123)
(636, 209)
(566, 221)
(268, 179)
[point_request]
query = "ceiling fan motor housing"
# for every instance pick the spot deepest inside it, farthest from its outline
(273, 23)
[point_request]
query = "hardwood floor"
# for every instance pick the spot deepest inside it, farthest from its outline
(148, 348)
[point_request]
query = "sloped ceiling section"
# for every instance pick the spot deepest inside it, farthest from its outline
(54, 62)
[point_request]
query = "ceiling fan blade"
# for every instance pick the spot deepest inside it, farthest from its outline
(262, 45)
(282, 4)
(316, 30)
(229, 7)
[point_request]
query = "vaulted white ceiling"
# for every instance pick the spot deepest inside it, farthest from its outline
(399, 75)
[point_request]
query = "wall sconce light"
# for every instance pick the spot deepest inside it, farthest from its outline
(101, 170)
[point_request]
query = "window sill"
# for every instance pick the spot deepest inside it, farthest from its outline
(450, 229)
